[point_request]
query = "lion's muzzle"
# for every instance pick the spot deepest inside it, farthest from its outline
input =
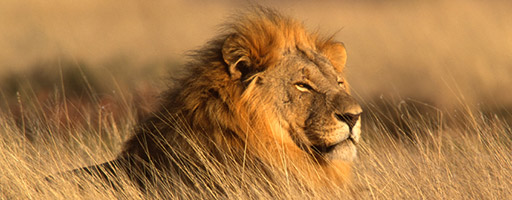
(341, 143)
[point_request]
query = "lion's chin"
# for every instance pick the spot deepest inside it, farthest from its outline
(344, 151)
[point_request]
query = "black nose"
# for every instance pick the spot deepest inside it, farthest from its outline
(349, 118)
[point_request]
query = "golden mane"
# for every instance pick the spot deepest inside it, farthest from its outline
(264, 33)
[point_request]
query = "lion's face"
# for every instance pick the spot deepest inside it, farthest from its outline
(312, 100)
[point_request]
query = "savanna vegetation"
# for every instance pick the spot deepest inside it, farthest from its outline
(433, 77)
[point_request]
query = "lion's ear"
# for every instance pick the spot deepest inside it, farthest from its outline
(337, 55)
(236, 57)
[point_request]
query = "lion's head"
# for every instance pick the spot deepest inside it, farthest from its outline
(296, 79)
(265, 87)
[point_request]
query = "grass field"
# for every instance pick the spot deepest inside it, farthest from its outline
(433, 77)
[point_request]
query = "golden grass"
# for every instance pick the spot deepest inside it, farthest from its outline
(469, 159)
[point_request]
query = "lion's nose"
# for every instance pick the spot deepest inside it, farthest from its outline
(349, 118)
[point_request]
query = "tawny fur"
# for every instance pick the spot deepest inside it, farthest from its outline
(231, 118)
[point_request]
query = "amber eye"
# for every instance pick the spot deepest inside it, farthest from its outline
(303, 87)
(341, 84)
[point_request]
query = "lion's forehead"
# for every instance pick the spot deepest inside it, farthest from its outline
(319, 59)
(313, 66)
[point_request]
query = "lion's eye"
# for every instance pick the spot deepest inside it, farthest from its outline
(341, 84)
(303, 87)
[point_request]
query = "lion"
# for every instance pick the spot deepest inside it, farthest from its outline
(265, 92)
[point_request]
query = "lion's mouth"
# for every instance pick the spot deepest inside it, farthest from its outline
(324, 149)
(344, 150)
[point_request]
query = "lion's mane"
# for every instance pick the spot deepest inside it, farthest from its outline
(232, 119)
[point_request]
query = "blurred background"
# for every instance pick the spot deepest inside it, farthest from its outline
(442, 54)
(76, 75)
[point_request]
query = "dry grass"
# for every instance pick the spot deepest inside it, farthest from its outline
(467, 160)
(433, 77)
